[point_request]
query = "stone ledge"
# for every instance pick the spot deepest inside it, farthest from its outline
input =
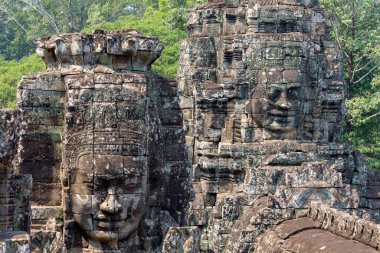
(305, 235)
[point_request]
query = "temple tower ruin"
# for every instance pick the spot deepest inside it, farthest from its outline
(262, 96)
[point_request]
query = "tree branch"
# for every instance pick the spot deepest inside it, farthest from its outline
(367, 64)
(18, 23)
(372, 116)
(361, 58)
(44, 13)
(368, 73)
(335, 22)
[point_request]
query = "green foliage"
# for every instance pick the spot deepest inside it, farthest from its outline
(364, 109)
(109, 11)
(23, 21)
(357, 31)
(11, 73)
(366, 138)
(177, 11)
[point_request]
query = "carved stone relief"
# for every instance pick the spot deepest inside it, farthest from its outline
(264, 120)
(102, 137)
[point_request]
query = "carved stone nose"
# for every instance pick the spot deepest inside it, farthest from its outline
(110, 204)
(282, 101)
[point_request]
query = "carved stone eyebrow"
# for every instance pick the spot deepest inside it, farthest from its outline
(294, 85)
(278, 86)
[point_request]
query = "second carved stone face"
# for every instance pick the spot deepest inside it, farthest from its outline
(108, 195)
(277, 106)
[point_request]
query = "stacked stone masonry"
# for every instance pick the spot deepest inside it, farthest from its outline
(103, 155)
(102, 137)
(15, 191)
(262, 95)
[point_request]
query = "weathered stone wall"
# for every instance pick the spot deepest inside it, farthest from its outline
(7, 147)
(40, 104)
(372, 198)
(262, 97)
(102, 137)
(15, 191)
(14, 242)
(7, 140)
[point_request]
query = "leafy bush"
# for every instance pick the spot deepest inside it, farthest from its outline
(11, 73)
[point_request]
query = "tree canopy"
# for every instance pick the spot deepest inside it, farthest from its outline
(11, 73)
(357, 33)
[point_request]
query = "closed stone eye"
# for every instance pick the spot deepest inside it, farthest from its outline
(293, 93)
(274, 93)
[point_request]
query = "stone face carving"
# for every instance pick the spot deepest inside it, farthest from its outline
(262, 99)
(257, 64)
(102, 137)
(122, 192)
(280, 110)
(113, 187)
(107, 157)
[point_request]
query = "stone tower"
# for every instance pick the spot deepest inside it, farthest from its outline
(101, 135)
(262, 97)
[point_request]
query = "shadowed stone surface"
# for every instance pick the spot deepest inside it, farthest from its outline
(15, 191)
(14, 242)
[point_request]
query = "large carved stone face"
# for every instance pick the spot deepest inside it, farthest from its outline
(108, 195)
(277, 102)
